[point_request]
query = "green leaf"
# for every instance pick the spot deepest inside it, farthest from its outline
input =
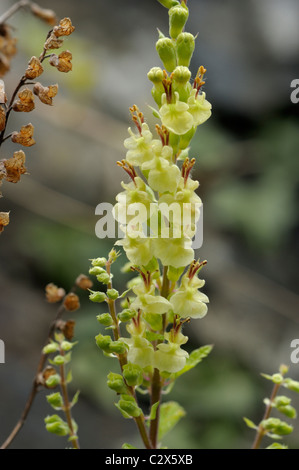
(75, 398)
(250, 423)
(128, 446)
(151, 336)
(154, 411)
(125, 415)
(154, 111)
(195, 357)
(124, 294)
(170, 414)
(69, 377)
(277, 445)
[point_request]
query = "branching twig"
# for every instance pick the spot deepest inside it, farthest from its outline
(36, 381)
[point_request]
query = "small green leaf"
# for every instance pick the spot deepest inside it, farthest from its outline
(128, 446)
(250, 423)
(125, 415)
(277, 445)
(151, 336)
(154, 111)
(75, 398)
(121, 297)
(69, 377)
(195, 357)
(170, 414)
(154, 411)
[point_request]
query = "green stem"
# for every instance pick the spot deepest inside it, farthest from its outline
(67, 405)
(260, 430)
(156, 388)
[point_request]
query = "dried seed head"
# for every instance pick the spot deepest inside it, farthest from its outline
(15, 167)
(71, 302)
(25, 103)
(53, 42)
(45, 94)
(44, 14)
(25, 136)
(34, 68)
(54, 294)
(7, 48)
(68, 329)
(3, 97)
(65, 28)
(84, 282)
(2, 119)
(62, 62)
(4, 220)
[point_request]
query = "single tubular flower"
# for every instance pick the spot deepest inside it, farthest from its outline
(141, 351)
(176, 116)
(199, 107)
(170, 357)
(176, 252)
(163, 176)
(136, 192)
(139, 146)
(187, 301)
(138, 248)
(149, 302)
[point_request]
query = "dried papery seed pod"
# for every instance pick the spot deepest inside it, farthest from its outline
(7, 48)
(3, 97)
(53, 42)
(62, 62)
(2, 118)
(45, 94)
(71, 302)
(25, 103)
(25, 136)
(83, 282)
(53, 293)
(15, 167)
(65, 28)
(44, 14)
(67, 328)
(4, 220)
(34, 69)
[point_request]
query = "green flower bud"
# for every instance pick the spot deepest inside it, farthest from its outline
(59, 360)
(169, 3)
(55, 400)
(105, 319)
(113, 255)
(185, 47)
(275, 425)
(104, 278)
(128, 404)
(116, 382)
(277, 378)
(282, 401)
(283, 369)
(96, 296)
(56, 425)
(112, 294)
(53, 381)
(178, 16)
(133, 374)
(277, 445)
(126, 314)
(155, 75)
(67, 346)
(98, 262)
(181, 75)
(50, 348)
(292, 385)
(95, 270)
(166, 50)
(103, 342)
(288, 411)
(117, 347)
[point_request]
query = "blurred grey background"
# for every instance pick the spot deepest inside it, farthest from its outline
(248, 168)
